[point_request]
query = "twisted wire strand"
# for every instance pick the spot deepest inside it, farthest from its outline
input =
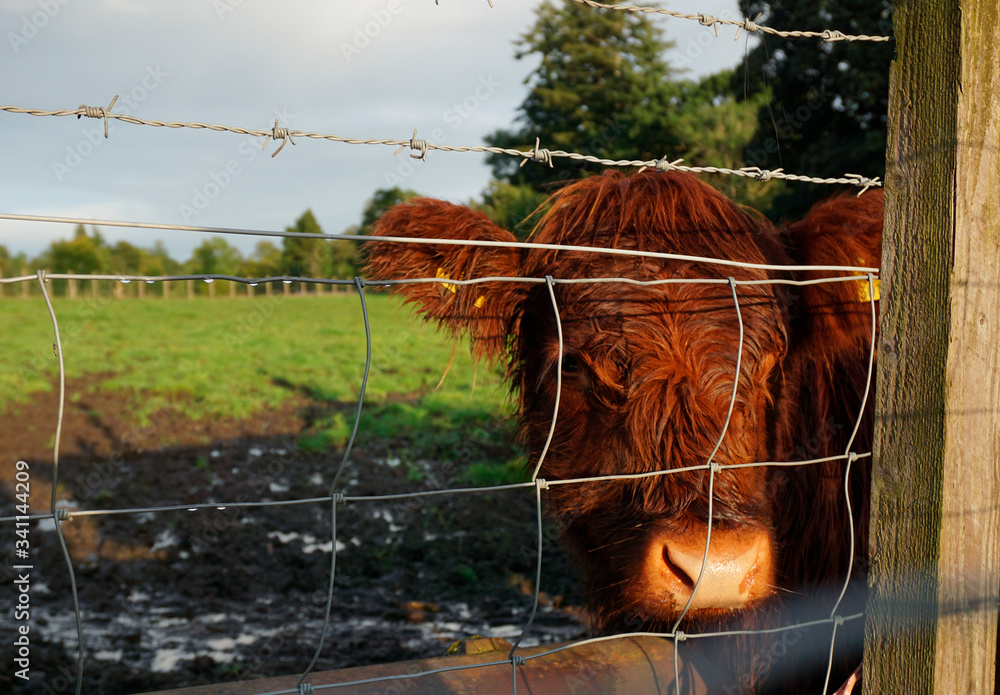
(422, 147)
(750, 26)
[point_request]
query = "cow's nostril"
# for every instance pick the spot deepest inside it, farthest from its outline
(676, 569)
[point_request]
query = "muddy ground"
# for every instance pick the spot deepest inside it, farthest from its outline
(179, 598)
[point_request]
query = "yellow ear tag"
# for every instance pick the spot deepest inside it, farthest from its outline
(441, 275)
(865, 294)
(453, 288)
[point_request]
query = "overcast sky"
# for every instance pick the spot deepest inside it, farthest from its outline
(357, 68)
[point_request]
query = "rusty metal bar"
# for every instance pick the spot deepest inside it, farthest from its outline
(624, 667)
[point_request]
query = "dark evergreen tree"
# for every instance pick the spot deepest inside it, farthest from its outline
(381, 200)
(714, 126)
(303, 256)
(602, 88)
(514, 207)
(827, 113)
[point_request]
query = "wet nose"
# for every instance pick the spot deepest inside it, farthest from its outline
(738, 567)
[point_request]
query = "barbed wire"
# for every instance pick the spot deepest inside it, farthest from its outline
(750, 26)
(422, 147)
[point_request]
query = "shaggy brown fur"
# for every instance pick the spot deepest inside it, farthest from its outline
(647, 381)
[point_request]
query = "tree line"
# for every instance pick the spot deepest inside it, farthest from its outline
(88, 252)
(605, 85)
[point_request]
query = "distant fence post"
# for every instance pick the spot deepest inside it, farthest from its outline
(166, 289)
(140, 288)
(935, 546)
(25, 286)
(190, 289)
(93, 286)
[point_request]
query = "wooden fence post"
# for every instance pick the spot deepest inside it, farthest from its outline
(71, 287)
(25, 286)
(931, 623)
(190, 289)
(166, 289)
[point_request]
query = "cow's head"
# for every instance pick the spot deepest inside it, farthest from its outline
(647, 371)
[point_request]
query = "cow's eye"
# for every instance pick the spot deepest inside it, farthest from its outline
(570, 365)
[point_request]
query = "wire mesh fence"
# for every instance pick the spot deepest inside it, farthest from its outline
(336, 497)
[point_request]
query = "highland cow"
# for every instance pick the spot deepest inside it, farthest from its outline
(647, 384)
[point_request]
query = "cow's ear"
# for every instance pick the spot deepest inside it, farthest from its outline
(487, 312)
(835, 318)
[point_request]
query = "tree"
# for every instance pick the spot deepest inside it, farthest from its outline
(82, 254)
(127, 259)
(381, 200)
(827, 116)
(713, 125)
(349, 252)
(10, 265)
(602, 88)
(302, 256)
(342, 258)
(265, 261)
(515, 208)
(157, 261)
(214, 256)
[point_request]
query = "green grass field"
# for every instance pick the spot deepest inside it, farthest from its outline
(235, 357)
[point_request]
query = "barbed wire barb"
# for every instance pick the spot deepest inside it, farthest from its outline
(278, 133)
(415, 144)
(748, 25)
(97, 112)
(863, 181)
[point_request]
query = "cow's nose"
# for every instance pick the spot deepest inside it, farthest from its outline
(738, 568)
